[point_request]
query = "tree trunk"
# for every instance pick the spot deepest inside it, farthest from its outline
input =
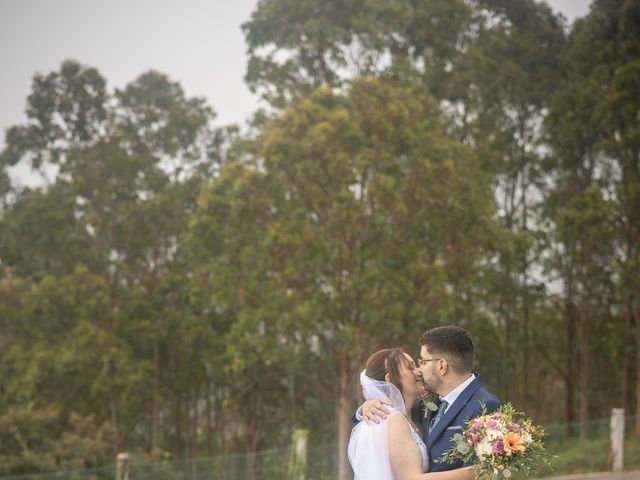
(511, 368)
(154, 402)
(343, 415)
(177, 412)
(192, 446)
(253, 436)
(209, 416)
(626, 364)
(570, 343)
(525, 346)
(525, 302)
(637, 322)
(220, 425)
(294, 403)
(188, 447)
(501, 377)
(584, 370)
(193, 442)
(113, 407)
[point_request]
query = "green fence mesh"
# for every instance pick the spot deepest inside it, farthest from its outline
(272, 464)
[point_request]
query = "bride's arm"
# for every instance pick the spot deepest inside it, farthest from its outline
(406, 459)
(404, 454)
(465, 473)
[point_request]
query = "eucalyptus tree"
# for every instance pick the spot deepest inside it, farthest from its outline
(123, 173)
(66, 108)
(491, 65)
(65, 351)
(497, 94)
(614, 26)
(38, 240)
(295, 47)
(45, 440)
(348, 231)
(116, 159)
(594, 136)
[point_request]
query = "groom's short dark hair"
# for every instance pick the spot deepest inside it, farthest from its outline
(453, 343)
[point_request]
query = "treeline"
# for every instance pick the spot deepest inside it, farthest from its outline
(179, 289)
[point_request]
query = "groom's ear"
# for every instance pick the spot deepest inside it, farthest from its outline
(444, 365)
(387, 378)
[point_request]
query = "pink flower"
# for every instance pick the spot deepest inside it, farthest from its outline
(476, 437)
(513, 426)
(497, 415)
(498, 447)
(492, 424)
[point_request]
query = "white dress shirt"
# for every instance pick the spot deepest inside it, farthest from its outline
(455, 393)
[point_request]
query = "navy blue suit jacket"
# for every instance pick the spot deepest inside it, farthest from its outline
(466, 407)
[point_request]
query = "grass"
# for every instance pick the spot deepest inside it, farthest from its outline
(584, 456)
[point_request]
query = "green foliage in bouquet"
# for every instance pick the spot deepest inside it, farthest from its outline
(500, 444)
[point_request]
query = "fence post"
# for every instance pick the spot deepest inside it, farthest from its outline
(617, 438)
(122, 466)
(297, 469)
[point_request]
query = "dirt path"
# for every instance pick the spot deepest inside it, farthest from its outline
(631, 475)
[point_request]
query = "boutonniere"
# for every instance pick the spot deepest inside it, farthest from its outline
(429, 400)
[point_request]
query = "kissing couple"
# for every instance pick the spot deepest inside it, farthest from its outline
(399, 437)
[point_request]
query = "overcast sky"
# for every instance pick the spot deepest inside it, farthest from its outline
(196, 42)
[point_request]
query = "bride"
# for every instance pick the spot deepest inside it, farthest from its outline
(393, 449)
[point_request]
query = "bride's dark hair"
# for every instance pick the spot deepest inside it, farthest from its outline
(385, 361)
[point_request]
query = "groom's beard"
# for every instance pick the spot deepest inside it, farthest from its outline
(433, 384)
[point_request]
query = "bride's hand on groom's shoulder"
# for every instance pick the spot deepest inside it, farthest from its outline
(375, 410)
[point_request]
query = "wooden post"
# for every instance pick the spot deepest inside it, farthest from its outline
(617, 438)
(122, 466)
(298, 458)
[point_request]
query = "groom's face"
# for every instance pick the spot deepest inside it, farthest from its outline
(429, 369)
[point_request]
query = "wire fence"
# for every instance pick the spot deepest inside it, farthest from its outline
(560, 433)
(272, 464)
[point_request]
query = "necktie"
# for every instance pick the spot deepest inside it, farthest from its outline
(434, 421)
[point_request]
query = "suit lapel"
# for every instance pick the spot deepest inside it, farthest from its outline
(454, 409)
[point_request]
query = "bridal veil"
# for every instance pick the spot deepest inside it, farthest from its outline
(368, 446)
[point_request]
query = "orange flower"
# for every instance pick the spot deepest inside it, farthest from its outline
(512, 443)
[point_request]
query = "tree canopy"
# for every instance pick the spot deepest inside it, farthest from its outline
(178, 289)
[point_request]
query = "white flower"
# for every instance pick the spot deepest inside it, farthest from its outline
(526, 437)
(483, 448)
(493, 434)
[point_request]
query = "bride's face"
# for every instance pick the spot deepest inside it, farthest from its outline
(411, 378)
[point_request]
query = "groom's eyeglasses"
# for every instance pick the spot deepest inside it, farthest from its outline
(422, 361)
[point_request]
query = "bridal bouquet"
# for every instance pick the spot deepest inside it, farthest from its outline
(499, 444)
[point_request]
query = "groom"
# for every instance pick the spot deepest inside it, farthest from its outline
(446, 362)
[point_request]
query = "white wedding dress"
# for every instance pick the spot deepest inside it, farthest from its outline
(368, 446)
